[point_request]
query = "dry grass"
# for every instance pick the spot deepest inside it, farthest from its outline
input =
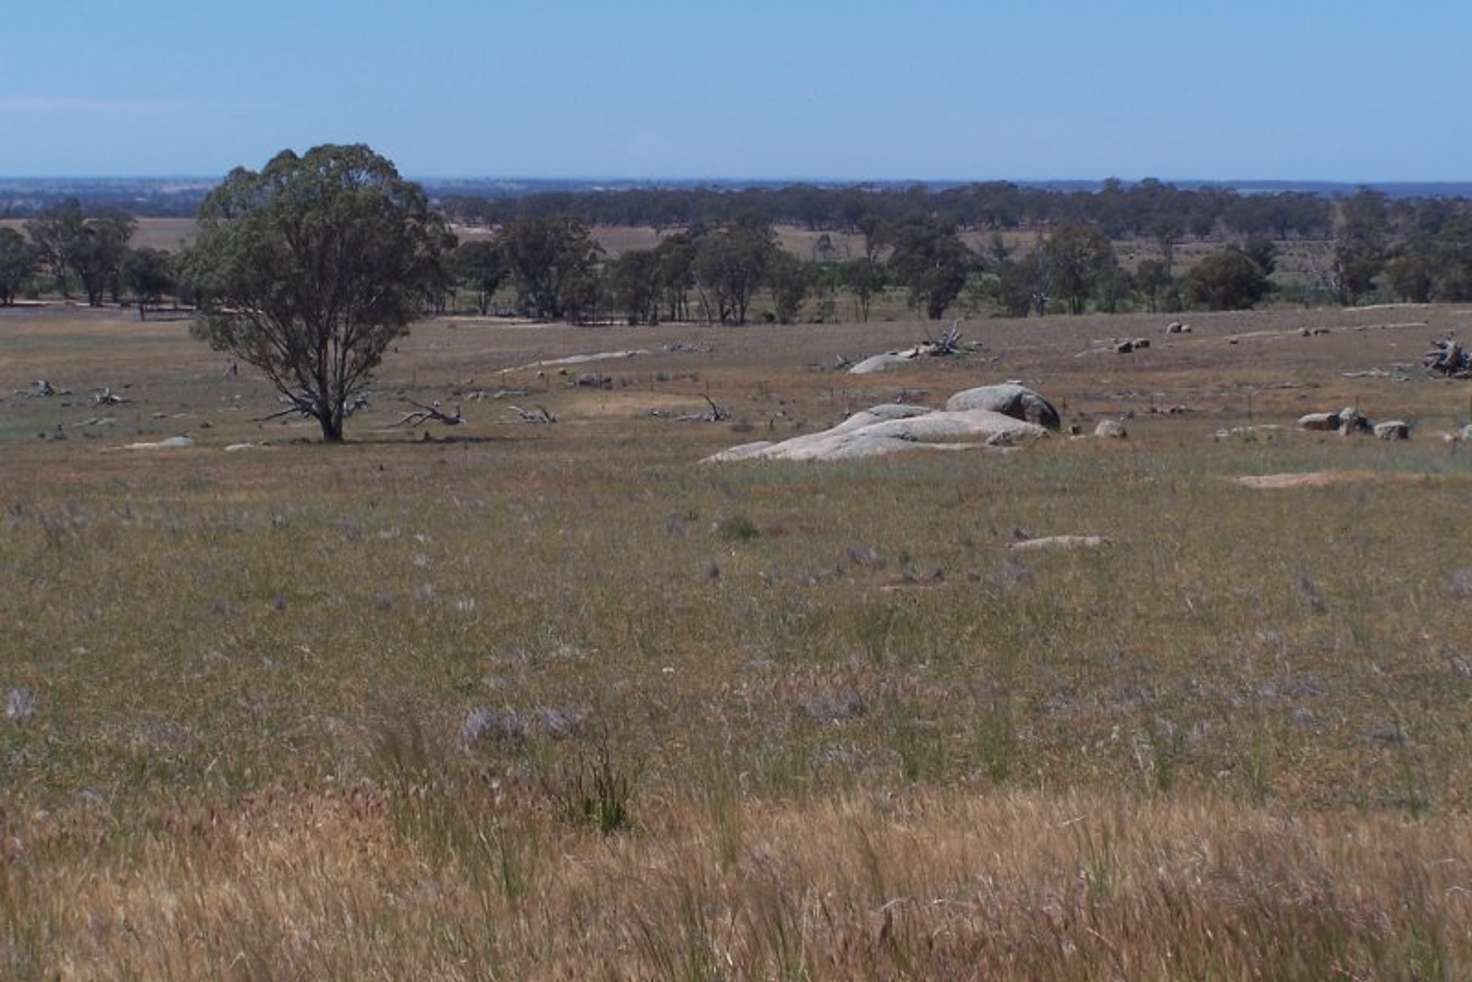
(477, 884)
(860, 738)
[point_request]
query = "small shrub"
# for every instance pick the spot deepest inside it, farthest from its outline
(738, 528)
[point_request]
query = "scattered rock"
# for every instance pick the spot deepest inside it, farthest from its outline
(1141, 343)
(1009, 399)
(1111, 429)
(1319, 421)
(508, 726)
(1348, 421)
(237, 447)
(20, 705)
(172, 443)
(880, 362)
(1176, 327)
(834, 707)
(1351, 422)
(1248, 432)
(893, 428)
(1390, 734)
(1124, 347)
(1063, 543)
(1312, 479)
(1393, 429)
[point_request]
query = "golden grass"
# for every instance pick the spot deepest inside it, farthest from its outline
(932, 885)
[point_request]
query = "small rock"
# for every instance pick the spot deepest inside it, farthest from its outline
(1124, 347)
(1141, 343)
(1393, 429)
(20, 705)
(1319, 421)
(1111, 429)
(1063, 543)
(1351, 422)
(1389, 734)
(834, 707)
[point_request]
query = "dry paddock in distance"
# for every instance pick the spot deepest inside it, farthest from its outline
(509, 700)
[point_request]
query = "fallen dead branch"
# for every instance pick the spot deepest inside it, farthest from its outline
(540, 414)
(715, 414)
(423, 414)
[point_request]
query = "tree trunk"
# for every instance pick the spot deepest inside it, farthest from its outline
(331, 428)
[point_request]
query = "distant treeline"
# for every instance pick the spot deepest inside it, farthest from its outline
(1148, 208)
(719, 259)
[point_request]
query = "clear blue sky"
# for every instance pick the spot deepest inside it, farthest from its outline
(1347, 90)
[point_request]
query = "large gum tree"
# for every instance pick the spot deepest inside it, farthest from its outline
(310, 268)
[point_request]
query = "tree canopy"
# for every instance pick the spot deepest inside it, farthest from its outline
(311, 267)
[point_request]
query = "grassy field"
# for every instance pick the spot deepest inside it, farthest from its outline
(512, 701)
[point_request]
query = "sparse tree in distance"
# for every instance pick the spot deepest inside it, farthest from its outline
(930, 258)
(149, 273)
(543, 256)
(674, 260)
(791, 282)
(633, 281)
(1227, 279)
(864, 278)
(1078, 256)
(99, 257)
(1409, 275)
(730, 264)
(312, 267)
(480, 264)
(1152, 278)
(17, 263)
(57, 235)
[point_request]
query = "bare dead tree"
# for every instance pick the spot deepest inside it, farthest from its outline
(949, 342)
(1448, 357)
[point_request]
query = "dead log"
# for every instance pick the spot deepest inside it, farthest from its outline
(538, 415)
(424, 414)
(1448, 357)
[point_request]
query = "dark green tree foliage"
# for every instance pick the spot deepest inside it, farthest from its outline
(1152, 280)
(57, 234)
(791, 281)
(1360, 244)
(674, 260)
(312, 267)
(1263, 252)
(1409, 275)
(480, 266)
(549, 260)
(865, 278)
(1079, 257)
(1016, 286)
(583, 294)
(99, 255)
(18, 261)
(634, 285)
(149, 274)
(731, 264)
(1227, 279)
(931, 260)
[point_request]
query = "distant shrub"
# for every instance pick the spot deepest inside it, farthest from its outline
(738, 528)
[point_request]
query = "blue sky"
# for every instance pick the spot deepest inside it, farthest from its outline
(1293, 89)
